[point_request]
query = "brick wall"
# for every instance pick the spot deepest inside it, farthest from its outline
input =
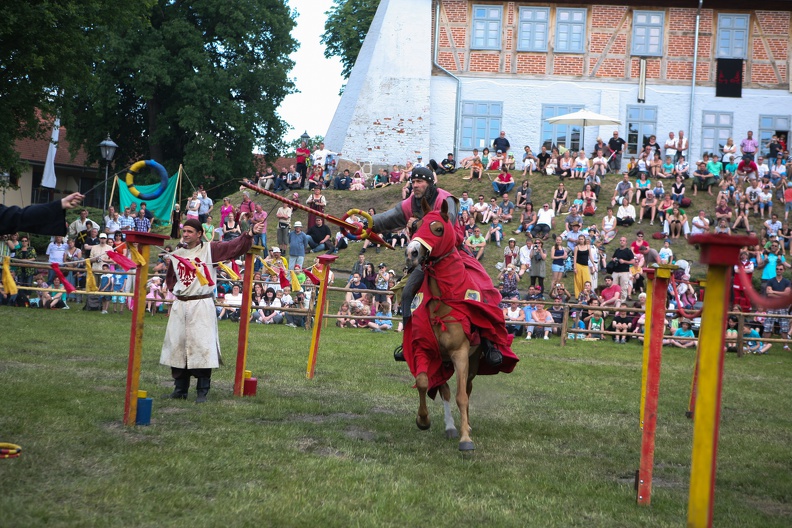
(608, 41)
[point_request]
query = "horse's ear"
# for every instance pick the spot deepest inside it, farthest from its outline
(425, 207)
(444, 210)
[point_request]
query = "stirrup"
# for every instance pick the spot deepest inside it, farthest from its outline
(398, 353)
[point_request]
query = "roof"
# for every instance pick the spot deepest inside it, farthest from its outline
(35, 151)
(259, 161)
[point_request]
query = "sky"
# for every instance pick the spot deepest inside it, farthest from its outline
(317, 79)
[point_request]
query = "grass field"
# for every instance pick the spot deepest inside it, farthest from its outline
(557, 440)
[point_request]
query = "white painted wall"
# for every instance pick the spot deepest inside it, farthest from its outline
(523, 100)
(383, 115)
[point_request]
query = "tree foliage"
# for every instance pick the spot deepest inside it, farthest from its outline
(47, 48)
(199, 84)
(348, 21)
(290, 149)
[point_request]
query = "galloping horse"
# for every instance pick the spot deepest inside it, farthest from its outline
(453, 310)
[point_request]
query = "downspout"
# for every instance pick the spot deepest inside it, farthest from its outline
(459, 82)
(693, 81)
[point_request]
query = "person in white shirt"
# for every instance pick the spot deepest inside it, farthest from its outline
(625, 216)
(544, 221)
(761, 166)
(671, 146)
(233, 300)
(599, 165)
(55, 251)
(682, 168)
(113, 224)
(701, 224)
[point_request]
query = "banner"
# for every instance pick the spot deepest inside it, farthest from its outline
(48, 179)
(730, 78)
(161, 207)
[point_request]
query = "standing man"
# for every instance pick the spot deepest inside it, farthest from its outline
(749, 146)
(303, 153)
(126, 221)
(55, 251)
(205, 208)
(681, 147)
(616, 147)
(671, 146)
(623, 258)
(192, 345)
(79, 225)
(501, 143)
(298, 241)
(284, 214)
(143, 224)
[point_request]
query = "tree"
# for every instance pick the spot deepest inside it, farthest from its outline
(348, 22)
(198, 85)
(47, 48)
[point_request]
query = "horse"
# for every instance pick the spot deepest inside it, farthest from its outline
(453, 310)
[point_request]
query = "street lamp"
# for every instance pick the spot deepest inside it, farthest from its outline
(107, 149)
(305, 137)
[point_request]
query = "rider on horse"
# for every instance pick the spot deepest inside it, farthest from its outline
(407, 214)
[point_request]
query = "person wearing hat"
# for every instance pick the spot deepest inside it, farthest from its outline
(381, 282)
(99, 253)
(684, 331)
(298, 241)
(419, 162)
(406, 214)
(192, 346)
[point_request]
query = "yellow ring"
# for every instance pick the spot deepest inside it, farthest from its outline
(366, 232)
(130, 177)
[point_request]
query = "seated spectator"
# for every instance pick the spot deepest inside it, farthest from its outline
(701, 223)
(382, 323)
(621, 325)
(544, 222)
(476, 243)
(504, 182)
(264, 312)
(355, 283)
(623, 193)
(703, 179)
(611, 293)
(684, 331)
(234, 302)
(343, 181)
(506, 209)
(514, 314)
(540, 315)
(345, 321)
(296, 320)
(626, 214)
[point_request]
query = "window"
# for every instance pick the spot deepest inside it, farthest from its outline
(481, 123)
(768, 127)
(647, 37)
(487, 27)
(641, 123)
(92, 192)
(732, 36)
(716, 129)
(570, 30)
(39, 194)
(567, 136)
(533, 29)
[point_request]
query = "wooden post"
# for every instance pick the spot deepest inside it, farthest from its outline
(244, 321)
(650, 278)
(694, 383)
(740, 330)
(720, 254)
(144, 240)
(564, 325)
(326, 260)
(662, 275)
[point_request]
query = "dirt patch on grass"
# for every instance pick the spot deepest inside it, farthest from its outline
(771, 508)
(130, 434)
(80, 358)
(356, 433)
(311, 446)
(383, 410)
(322, 418)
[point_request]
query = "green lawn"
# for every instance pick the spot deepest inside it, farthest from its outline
(557, 440)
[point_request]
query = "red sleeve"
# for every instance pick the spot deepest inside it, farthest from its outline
(170, 276)
(227, 250)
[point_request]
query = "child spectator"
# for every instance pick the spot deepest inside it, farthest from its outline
(119, 281)
(683, 331)
(106, 285)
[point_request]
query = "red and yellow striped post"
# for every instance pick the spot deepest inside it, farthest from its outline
(654, 360)
(244, 321)
(143, 240)
(720, 253)
(650, 277)
(323, 274)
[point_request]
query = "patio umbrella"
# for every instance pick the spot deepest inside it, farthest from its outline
(583, 118)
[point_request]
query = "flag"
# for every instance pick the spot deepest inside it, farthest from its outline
(48, 179)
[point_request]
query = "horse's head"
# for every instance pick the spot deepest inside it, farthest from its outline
(434, 236)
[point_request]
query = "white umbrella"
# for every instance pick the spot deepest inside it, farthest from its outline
(583, 118)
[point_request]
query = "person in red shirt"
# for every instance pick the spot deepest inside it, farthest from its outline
(303, 153)
(611, 293)
(639, 243)
(746, 168)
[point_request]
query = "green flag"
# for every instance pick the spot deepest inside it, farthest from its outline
(161, 207)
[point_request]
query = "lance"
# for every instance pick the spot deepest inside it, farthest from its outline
(355, 230)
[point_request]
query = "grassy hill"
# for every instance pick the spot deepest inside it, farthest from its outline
(339, 202)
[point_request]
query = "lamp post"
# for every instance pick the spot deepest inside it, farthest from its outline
(305, 137)
(107, 149)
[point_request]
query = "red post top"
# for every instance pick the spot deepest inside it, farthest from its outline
(327, 259)
(150, 239)
(721, 250)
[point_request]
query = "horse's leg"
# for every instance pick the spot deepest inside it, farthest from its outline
(450, 428)
(461, 366)
(422, 384)
(472, 371)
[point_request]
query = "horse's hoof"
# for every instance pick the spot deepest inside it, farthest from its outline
(423, 427)
(451, 433)
(467, 446)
